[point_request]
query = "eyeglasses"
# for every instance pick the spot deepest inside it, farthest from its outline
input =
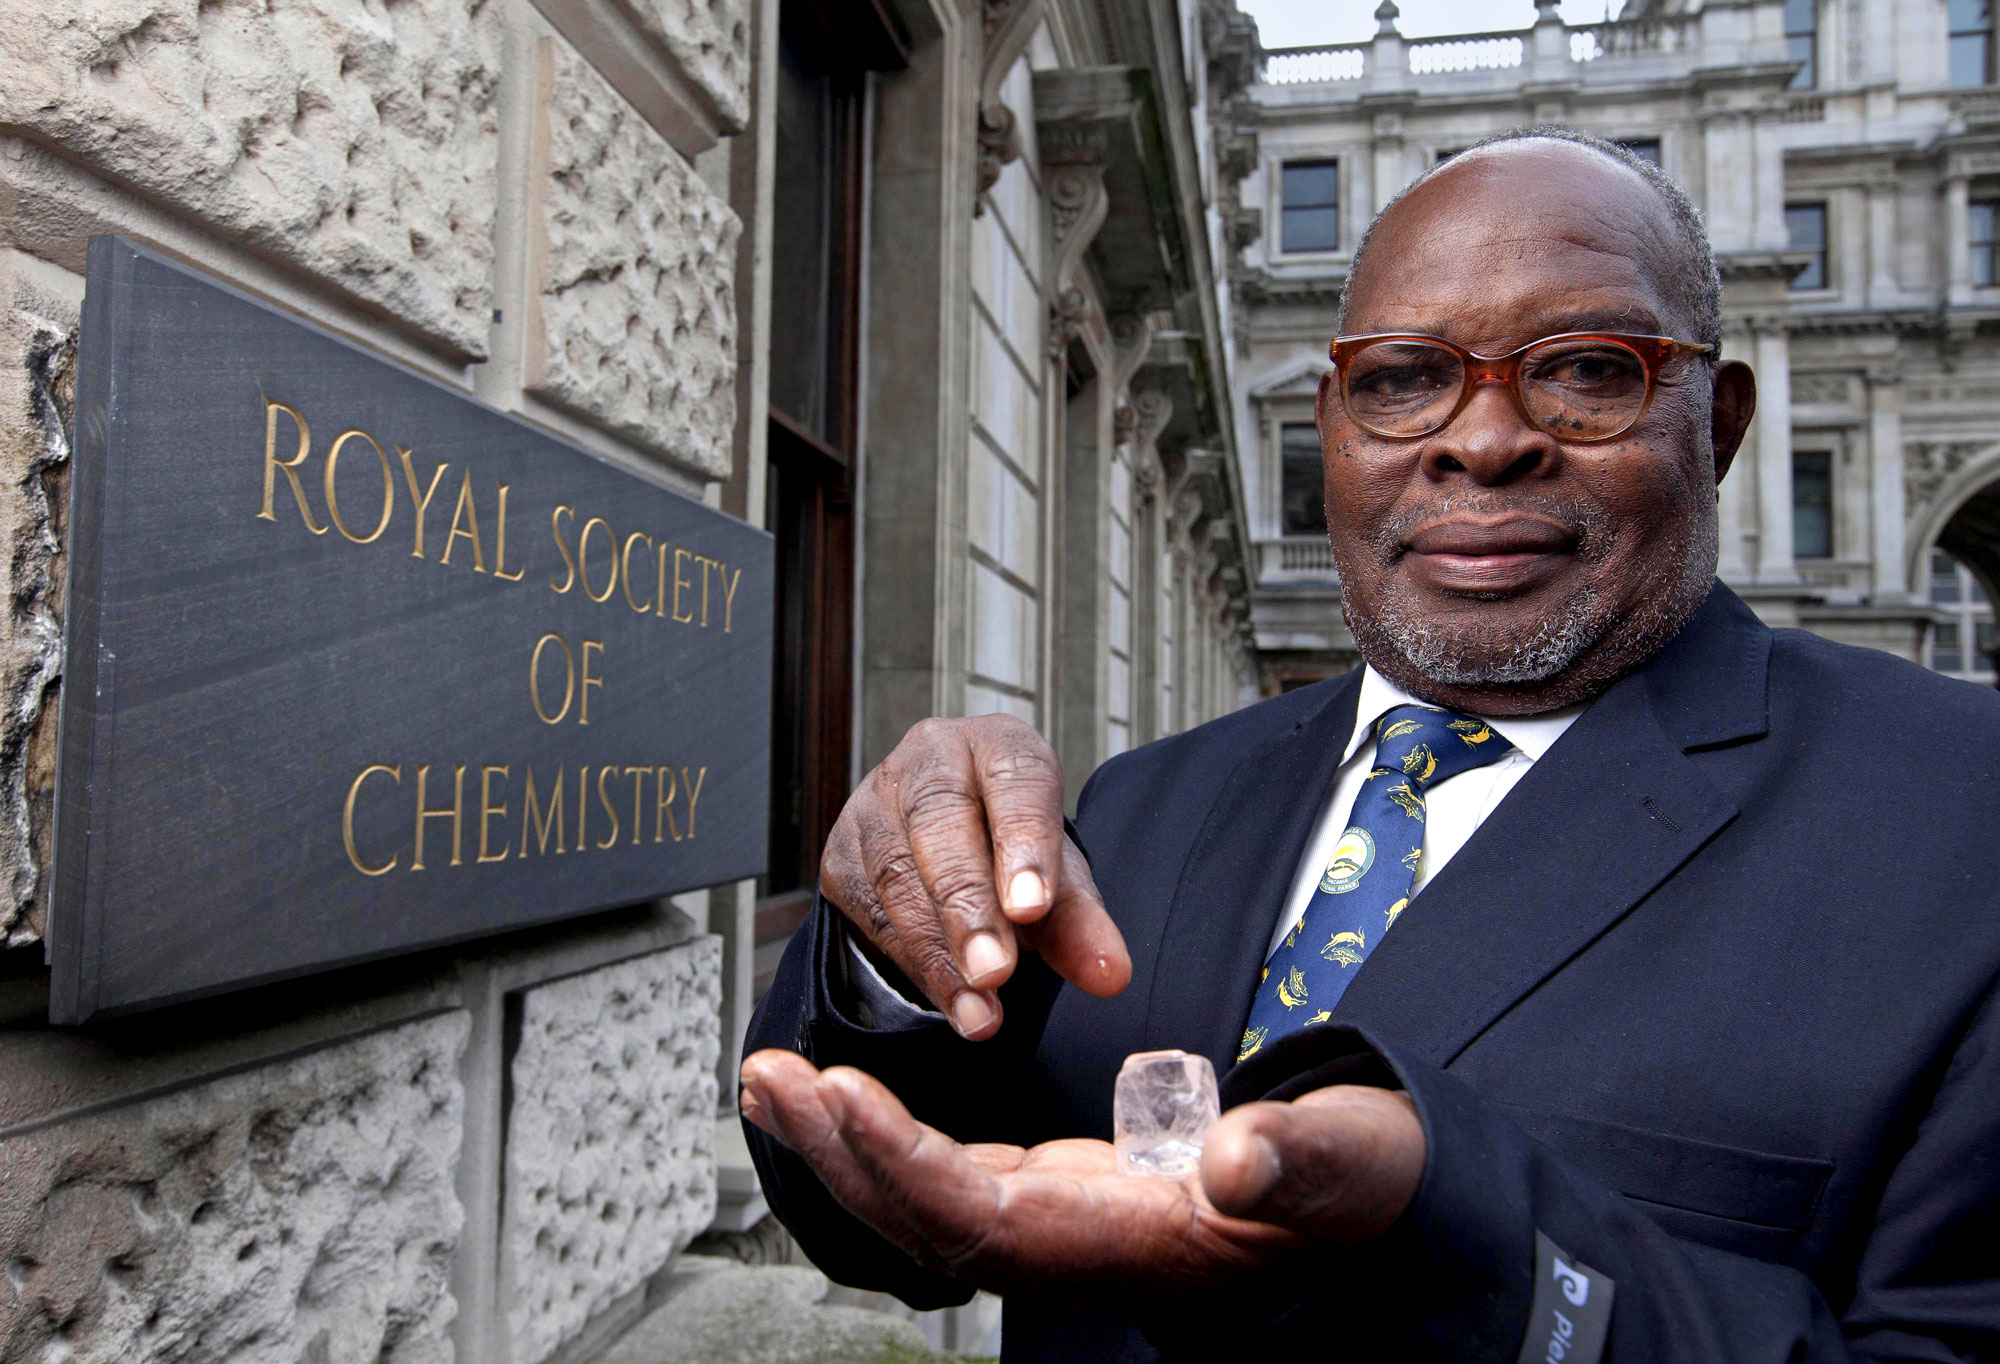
(1579, 386)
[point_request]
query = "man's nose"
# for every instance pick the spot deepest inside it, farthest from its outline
(1492, 440)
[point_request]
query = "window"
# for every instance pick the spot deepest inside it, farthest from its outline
(1963, 643)
(1802, 41)
(1312, 206)
(1303, 509)
(1805, 225)
(1812, 504)
(1981, 218)
(1971, 54)
(1645, 148)
(1445, 154)
(813, 433)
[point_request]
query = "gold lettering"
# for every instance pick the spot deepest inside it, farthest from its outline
(583, 710)
(706, 564)
(664, 807)
(532, 813)
(423, 501)
(347, 820)
(468, 513)
(625, 566)
(604, 799)
(272, 464)
(582, 804)
(693, 789)
(535, 680)
(638, 775)
(562, 547)
(333, 498)
(500, 545)
(583, 558)
(455, 813)
(488, 810)
(729, 599)
(679, 583)
(660, 592)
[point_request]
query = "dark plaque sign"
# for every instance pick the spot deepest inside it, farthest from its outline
(355, 664)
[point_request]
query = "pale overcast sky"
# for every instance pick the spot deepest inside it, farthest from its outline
(1304, 23)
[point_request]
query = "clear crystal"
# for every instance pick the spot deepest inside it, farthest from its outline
(1163, 1107)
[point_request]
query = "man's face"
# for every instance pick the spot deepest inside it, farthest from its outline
(1490, 565)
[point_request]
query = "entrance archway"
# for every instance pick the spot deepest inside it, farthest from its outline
(1963, 585)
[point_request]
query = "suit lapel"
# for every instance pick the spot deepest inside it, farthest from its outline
(1606, 815)
(1236, 877)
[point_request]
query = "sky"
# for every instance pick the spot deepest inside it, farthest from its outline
(1305, 23)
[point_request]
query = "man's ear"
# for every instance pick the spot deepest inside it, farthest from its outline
(1735, 403)
(1322, 411)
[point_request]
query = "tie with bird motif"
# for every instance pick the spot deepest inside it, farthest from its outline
(1359, 895)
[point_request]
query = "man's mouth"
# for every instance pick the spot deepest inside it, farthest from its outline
(1509, 554)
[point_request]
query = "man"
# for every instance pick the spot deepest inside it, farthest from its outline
(1611, 976)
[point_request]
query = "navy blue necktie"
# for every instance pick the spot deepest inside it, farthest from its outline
(1369, 878)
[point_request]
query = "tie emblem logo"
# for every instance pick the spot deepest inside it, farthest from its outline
(1346, 948)
(1353, 855)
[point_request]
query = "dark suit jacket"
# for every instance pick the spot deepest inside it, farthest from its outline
(1709, 1001)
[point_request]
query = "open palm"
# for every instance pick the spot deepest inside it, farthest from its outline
(1057, 1218)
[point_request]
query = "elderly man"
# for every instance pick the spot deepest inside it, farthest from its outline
(1597, 973)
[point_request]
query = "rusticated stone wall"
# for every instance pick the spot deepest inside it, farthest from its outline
(299, 1210)
(634, 321)
(355, 141)
(481, 1152)
(610, 1157)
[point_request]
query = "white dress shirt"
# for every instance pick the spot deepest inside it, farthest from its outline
(1453, 807)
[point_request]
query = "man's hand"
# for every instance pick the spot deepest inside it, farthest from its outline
(950, 857)
(1338, 1165)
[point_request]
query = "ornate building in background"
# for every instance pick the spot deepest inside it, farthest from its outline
(1846, 154)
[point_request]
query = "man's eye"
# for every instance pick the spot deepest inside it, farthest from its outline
(1402, 381)
(1588, 369)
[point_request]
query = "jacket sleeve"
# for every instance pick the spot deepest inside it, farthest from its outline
(1504, 1237)
(973, 1091)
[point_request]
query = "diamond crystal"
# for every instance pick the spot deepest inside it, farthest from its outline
(1163, 1106)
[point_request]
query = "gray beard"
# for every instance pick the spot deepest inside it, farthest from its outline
(1479, 656)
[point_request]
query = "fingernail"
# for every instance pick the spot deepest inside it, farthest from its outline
(1027, 891)
(754, 1111)
(970, 1012)
(984, 956)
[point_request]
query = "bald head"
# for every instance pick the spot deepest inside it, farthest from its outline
(1549, 175)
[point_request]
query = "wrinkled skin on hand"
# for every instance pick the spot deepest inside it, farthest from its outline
(1335, 1166)
(950, 858)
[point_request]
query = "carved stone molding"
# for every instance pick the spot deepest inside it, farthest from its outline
(1929, 464)
(1008, 24)
(1077, 205)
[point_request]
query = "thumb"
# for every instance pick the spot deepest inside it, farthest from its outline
(1339, 1164)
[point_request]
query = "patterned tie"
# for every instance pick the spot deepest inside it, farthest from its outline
(1359, 896)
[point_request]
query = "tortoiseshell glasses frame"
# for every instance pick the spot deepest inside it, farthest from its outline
(1581, 387)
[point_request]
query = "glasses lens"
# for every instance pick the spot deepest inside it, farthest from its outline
(1401, 388)
(1584, 389)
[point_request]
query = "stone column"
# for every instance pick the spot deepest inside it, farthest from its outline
(1548, 44)
(1885, 465)
(1957, 256)
(1882, 287)
(1774, 452)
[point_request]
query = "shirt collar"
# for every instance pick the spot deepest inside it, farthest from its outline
(1534, 735)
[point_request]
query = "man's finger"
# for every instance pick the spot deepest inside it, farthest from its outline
(1339, 1164)
(911, 928)
(944, 817)
(1077, 937)
(784, 1089)
(1021, 785)
(918, 1178)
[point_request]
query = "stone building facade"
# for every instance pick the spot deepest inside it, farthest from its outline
(928, 288)
(1846, 154)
